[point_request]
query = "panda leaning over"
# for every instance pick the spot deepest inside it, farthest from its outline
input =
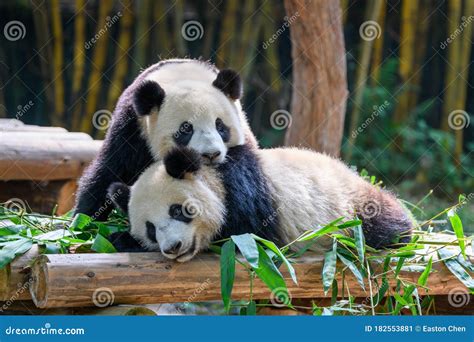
(177, 102)
(179, 206)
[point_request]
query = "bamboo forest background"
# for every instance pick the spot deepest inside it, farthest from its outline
(409, 69)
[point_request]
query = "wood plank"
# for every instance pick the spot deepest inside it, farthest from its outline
(76, 280)
(37, 159)
(8, 136)
(31, 128)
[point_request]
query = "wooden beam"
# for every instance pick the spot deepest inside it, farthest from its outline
(75, 280)
(39, 159)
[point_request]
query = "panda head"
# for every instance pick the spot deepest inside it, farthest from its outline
(200, 114)
(175, 207)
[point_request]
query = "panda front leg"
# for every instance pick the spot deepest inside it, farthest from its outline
(123, 157)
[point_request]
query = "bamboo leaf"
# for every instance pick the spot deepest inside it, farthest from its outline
(12, 249)
(251, 308)
(271, 245)
(80, 221)
(354, 270)
(102, 245)
(456, 223)
(424, 276)
(456, 269)
(227, 272)
(329, 268)
(269, 273)
(360, 242)
(248, 248)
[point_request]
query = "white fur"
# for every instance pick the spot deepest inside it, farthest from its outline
(190, 96)
(310, 189)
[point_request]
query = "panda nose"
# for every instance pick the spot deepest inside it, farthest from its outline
(211, 155)
(173, 249)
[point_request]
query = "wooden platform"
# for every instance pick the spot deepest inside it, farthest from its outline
(39, 166)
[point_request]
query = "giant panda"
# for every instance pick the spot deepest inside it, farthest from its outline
(180, 205)
(177, 102)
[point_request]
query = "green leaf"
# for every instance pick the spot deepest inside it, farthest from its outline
(248, 248)
(400, 299)
(54, 235)
(351, 223)
(251, 308)
(271, 245)
(329, 268)
(456, 223)
(360, 242)
(354, 270)
(12, 249)
(102, 245)
(424, 276)
(399, 266)
(455, 267)
(269, 273)
(80, 221)
(227, 272)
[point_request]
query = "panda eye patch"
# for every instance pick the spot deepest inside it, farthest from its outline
(176, 212)
(184, 133)
(223, 130)
(151, 231)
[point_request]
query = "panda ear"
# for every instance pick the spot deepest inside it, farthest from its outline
(119, 194)
(147, 96)
(228, 81)
(181, 161)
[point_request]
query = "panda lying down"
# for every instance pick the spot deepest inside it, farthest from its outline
(179, 206)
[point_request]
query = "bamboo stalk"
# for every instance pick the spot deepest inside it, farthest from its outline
(121, 55)
(97, 65)
(378, 46)
(409, 23)
(161, 29)
(75, 280)
(178, 24)
(271, 52)
(79, 61)
(372, 12)
(462, 86)
(225, 50)
(450, 94)
(142, 35)
(58, 117)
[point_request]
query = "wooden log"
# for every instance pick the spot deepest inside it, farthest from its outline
(15, 278)
(45, 159)
(145, 278)
(31, 128)
(9, 136)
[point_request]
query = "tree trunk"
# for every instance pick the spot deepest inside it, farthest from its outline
(58, 60)
(319, 75)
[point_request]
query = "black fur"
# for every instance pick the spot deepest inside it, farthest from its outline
(183, 136)
(228, 81)
(223, 130)
(123, 157)
(119, 194)
(148, 95)
(249, 204)
(180, 161)
(124, 242)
